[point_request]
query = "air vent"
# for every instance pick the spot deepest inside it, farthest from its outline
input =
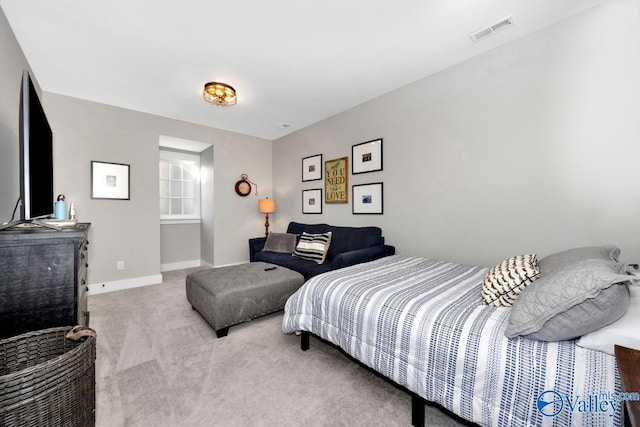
(482, 33)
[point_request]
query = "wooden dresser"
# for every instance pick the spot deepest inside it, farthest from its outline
(43, 275)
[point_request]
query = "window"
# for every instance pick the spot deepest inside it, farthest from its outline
(179, 187)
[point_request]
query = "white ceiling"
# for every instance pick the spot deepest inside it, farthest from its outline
(291, 61)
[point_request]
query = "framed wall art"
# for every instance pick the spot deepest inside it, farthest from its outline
(312, 168)
(367, 198)
(336, 180)
(312, 201)
(110, 181)
(366, 156)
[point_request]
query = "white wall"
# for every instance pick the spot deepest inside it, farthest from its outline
(207, 203)
(529, 147)
(130, 230)
(533, 146)
(179, 245)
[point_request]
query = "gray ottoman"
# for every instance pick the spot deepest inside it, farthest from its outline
(226, 296)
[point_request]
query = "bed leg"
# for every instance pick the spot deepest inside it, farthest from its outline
(417, 410)
(220, 333)
(304, 341)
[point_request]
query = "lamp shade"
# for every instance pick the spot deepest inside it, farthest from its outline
(267, 205)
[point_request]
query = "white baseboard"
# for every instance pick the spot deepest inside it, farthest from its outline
(119, 285)
(228, 265)
(204, 263)
(156, 279)
(171, 266)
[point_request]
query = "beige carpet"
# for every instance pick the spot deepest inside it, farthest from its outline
(160, 364)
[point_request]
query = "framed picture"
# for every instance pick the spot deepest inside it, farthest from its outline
(336, 180)
(367, 198)
(312, 168)
(109, 181)
(367, 156)
(312, 201)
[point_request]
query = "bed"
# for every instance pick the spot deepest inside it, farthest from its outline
(422, 324)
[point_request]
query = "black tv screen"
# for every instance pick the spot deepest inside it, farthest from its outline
(36, 155)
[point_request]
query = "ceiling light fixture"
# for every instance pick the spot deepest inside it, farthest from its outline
(219, 94)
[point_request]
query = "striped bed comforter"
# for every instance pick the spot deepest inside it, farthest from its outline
(421, 323)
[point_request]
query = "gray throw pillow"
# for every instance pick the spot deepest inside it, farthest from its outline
(559, 261)
(592, 314)
(280, 242)
(578, 291)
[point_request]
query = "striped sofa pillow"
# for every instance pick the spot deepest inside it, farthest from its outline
(505, 281)
(313, 247)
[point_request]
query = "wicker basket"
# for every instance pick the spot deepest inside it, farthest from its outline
(47, 380)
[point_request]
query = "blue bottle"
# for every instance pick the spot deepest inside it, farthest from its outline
(61, 208)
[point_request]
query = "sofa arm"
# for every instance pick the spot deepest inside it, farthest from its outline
(358, 256)
(255, 246)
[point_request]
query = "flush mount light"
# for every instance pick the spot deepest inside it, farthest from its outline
(219, 94)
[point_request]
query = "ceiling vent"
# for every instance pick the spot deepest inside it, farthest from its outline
(485, 32)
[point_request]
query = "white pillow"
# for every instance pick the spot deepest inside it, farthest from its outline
(624, 331)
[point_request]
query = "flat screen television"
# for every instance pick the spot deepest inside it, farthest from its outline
(36, 157)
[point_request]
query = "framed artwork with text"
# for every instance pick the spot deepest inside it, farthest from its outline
(336, 180)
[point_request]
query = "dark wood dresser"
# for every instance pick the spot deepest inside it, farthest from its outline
(43, 275)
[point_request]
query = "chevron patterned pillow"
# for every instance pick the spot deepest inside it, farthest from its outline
(505, 281)
(313, 247)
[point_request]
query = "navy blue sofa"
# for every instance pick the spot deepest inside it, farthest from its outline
(349, 246)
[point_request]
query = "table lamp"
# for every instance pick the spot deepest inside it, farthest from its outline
(266, 206)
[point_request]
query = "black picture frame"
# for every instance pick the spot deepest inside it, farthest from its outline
(367, 199)
(110, 181)
(366, 157)
(312, 201)
(312, 168)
